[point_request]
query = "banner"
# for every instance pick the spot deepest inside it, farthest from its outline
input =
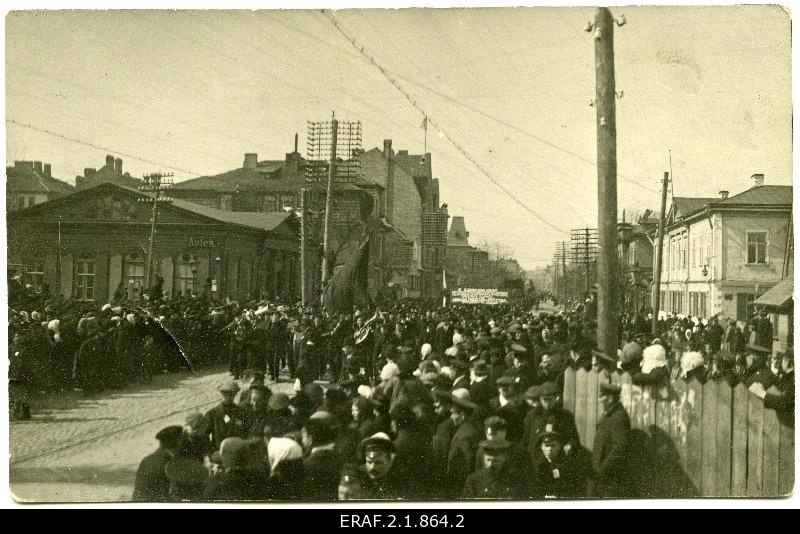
(479, 296)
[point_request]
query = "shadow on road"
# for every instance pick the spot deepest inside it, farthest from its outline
(84, 474)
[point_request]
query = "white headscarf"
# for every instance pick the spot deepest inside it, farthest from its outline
(389, 370)
(280, 449)
(653, 357)
(426, 350)
(690, 361)
(365, 391)
(457, 338)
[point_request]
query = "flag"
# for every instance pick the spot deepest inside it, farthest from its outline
(348, 285)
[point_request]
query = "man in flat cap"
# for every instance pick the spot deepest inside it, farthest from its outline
(610, 450)
(228, 419)
(152, 484)
(555, 474)
(463, 445)
(509, 406)
(381, 482)
(552, 414)
(494, 480)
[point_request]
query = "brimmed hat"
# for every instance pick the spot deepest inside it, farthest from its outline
(229, 386)
(461, 398)
(195, 419)
(516, 348)
(549, 434)
(170, 433)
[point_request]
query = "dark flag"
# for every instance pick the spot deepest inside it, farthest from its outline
(348, 285)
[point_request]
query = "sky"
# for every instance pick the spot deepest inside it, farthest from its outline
(509, 89)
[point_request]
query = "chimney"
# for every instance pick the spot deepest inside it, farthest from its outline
(723, 194)
(87, 172)
(250, 160)
(295, 143)
(118, 166)
(110, 161)
(47, 170)
(37, 166)
(387, 148)
(758, 180)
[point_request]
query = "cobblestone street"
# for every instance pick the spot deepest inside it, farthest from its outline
(79, 448)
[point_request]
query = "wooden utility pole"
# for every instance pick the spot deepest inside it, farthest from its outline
(153, 184)
(586, 260)
(608, 308)
(328, 197)
(659, 255)
(564, 268)
(303, 238)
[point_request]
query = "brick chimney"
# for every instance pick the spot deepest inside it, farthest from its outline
(758, 180)
(87, 172)
(47, 170)
(723, 194)
(118, 166)
(387, 155)
(250, 160)
(110, 162)
(37, 166)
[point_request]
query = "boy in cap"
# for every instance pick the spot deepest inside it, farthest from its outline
(227, 419)
(555, 475)
(152, 484)
(610, 450)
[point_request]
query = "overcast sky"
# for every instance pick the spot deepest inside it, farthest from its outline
(193, 91)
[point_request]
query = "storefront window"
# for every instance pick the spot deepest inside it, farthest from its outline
(35, 274)
(84, 277)
(185, 274)
(133, 268)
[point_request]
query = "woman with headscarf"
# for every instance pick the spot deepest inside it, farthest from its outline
(285, 457)
(654, 366)
(363, 417)
(693, 366)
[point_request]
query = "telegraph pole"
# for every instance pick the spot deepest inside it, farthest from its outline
(153, 184)
(303, 238)
(564, 267)
(586, 259)
(659, 255)
(608, 307)
(331, 177)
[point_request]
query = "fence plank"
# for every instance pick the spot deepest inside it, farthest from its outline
(663, 408)
(678, 413)
(591, 406)
(580, 406)
(724, 438)
(709, 447)
(568, 399)
(739, 453)
(627, 396)
(786, 467)
(755, 446)
(694, 434)
(772, 436)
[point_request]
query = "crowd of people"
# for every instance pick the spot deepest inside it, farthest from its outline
(429, 403)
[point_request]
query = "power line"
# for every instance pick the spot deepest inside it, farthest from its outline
(98, 147)
(458, 147)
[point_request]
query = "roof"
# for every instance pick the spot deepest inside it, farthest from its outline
(686, 205)
(265, 176)
(762, 195)
(780, 294)
(107, 175)
(25, 178)
(414, 164)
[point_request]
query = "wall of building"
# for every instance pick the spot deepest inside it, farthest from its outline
(734, 243)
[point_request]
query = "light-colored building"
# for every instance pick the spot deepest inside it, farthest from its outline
(720, 254)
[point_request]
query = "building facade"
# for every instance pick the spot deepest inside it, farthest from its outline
(635, 251)
(721, 254)
(94, 244)
(29, 183)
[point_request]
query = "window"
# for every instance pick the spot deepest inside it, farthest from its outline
(270, 203)
(31, 201)
(84, 278)
(35, 274)
(756, 247)
(133, 269)
(185, 274)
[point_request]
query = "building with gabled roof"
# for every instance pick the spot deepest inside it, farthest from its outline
(721, 254)
(111, 172)
(30, 182)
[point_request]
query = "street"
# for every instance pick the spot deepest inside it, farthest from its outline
(87, 449)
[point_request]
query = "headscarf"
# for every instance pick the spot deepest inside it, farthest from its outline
(389, 370)
(280, 449)
(653, 357)
(690, 361)
(457, 338)
(426, 350)
(688, 334)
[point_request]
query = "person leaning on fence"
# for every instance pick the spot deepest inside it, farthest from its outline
(783, 401)
(610, 450)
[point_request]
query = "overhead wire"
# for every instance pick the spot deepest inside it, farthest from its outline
(457, 145)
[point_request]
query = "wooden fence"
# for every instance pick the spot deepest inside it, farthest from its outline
(693, 439)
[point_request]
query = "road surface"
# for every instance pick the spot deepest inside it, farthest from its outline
(87, 449)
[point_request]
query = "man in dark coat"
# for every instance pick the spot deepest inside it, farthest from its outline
(323, 464)
(152, 484)
(227, 419)
(495, 480)
(413, 454)
(240, 480)
(554, 415)
(509, 406)
(464, 445)
(481, 390)
(610, 450)
(382, 481)
(554, 473)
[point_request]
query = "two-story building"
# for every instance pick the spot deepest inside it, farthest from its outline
(29, 183)
(635, 251)
(720, 254)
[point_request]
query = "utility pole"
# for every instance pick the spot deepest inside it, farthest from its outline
(586, 259)
(608, 307)
(303, 238)
(153, 184)
(564, 267)
(331, 177)
(60, 266)
(659, 255)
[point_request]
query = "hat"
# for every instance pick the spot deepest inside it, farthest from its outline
(514, 328)
(105, 307)
(654, 357)
(631, 353)
(195, 420)
(603, 355)
(234, 452)
(532, 393)
(548, 388)
(610, 389)
(461, 397)
(170, 434)
(378, 442)
(458, 363)
(494, 447)
(517, 348)
(279, 401)
(428, 378)
(550, 434)
(117, 310)
(480, 368)
(505, 380)
(229, 386)
(690, 361)
(53, 325)
(406, 363)
(495, 330)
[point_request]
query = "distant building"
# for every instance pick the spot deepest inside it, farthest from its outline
(111, 172)
(721, 254)
(635, 250)
(29, 183)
